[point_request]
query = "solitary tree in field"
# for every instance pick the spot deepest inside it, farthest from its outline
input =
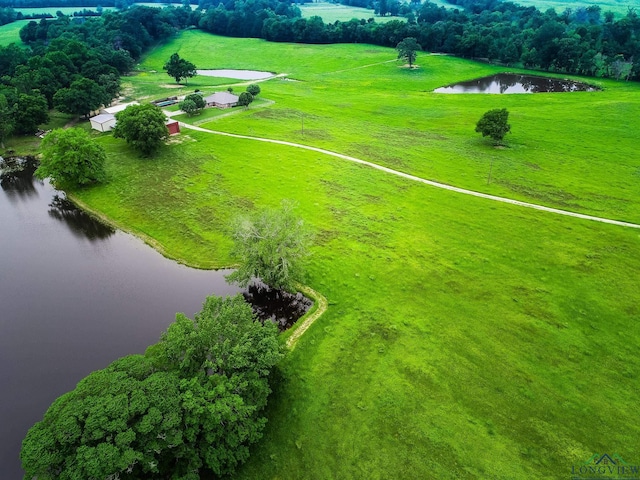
(179, 68)
(71, 157)
(494, 124)
(271, 246)
(407, 49)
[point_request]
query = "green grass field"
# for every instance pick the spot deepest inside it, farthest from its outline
(10, 33)
(464, 338)
(332, 12)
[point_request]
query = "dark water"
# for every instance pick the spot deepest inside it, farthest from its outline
(514, 83)
(280, 307)
(74, 296)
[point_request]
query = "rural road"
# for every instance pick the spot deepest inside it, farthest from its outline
(419, 179)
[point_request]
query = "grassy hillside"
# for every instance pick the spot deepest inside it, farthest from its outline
(464, 338)
(10, 33)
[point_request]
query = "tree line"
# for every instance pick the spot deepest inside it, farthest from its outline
(580, 41)
(75, 65)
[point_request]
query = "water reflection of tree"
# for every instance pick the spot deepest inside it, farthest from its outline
(270, 304)
(16, 176)
(80, 223)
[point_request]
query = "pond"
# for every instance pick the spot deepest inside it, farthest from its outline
(516, 83)
(75, 295)
(238, 74)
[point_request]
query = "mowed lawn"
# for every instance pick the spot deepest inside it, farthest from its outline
(464, 338)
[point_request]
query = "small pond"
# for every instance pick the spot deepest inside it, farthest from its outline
(238, 74)
(76, 294)
(516, 83)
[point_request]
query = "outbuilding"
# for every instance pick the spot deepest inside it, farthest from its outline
(222, 100)
(173, 126)
(117, 108)
(103, 122)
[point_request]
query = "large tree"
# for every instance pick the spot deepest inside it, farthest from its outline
(192, 104)
(494, 124)
(142, 126)
(407, 50)
(271, 246)
(245, 99)
(31, 110)
(179, 68)
(81, 98)
(6, 120)
(194, 402)
(71, 157)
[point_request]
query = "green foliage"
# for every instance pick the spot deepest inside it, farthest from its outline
(81, 98)
(189, 107)
(179, 68)
(494, 124)
(30, 112)
(253, 89)
(120, 420)
(245, 99)
(192, 104)
(71, 157)
(6, 120)
(192, 403)
(142, 126)
(407, 50)
(271, 246)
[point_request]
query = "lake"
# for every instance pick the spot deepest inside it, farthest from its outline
(507, 83)
(75, 295)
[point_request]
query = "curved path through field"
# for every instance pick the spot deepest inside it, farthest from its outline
(419, 179)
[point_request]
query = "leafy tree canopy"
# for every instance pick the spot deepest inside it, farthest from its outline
(245, 99)
(272, 246)
(494, 124)
(179, 68)
(142, 126)
(81, 98)
(407, 50)
(30, 112)
(192, 403)
(71, 157)
(192, 104)
(254, 89)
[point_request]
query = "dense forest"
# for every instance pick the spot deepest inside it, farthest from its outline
(75, 64)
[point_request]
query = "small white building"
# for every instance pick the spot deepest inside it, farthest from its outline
(222, 100)
(103, 122)
(117, 108)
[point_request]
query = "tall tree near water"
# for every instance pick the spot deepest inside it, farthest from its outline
(272, 246)
(193, 403)
(71, 157)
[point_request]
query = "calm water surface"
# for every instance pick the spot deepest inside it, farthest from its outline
(75, 295)
(514, 83)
